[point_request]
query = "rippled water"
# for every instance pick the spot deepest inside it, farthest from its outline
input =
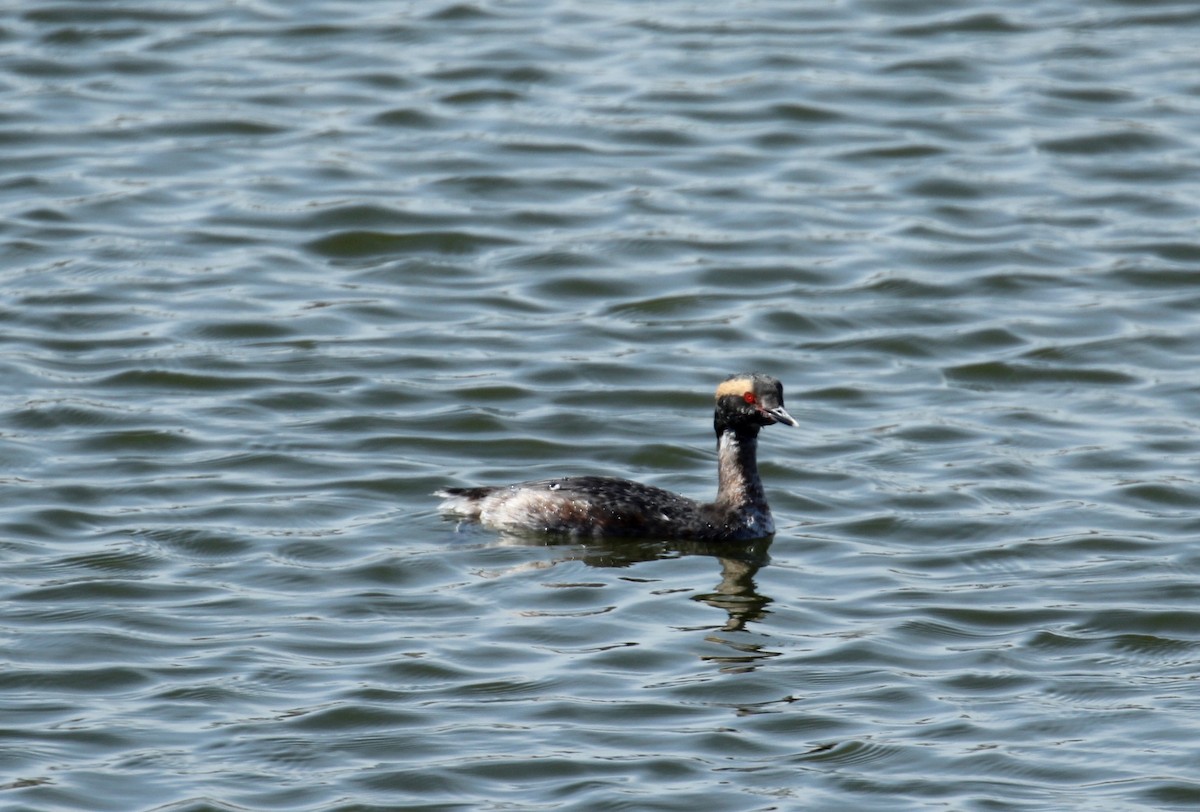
(273, 272)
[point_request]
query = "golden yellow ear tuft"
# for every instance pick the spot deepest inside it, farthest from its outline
(735, 386)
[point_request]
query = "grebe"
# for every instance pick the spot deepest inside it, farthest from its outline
(608, 506)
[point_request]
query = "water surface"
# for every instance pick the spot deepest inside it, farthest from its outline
(270, 273)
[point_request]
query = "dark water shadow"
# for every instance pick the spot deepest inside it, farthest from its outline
(736, 593)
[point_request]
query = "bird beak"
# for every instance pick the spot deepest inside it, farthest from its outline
(780, 415)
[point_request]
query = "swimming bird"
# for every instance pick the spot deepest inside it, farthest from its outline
(600, 506)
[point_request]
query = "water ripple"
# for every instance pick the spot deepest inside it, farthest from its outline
(273, 274)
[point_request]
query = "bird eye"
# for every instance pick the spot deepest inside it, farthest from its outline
(749, 398)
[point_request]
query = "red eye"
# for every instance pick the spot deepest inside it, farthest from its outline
(749, 398)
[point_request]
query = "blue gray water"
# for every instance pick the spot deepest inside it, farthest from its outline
(272, 272)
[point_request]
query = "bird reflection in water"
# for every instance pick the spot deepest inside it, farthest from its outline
(736, 593)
